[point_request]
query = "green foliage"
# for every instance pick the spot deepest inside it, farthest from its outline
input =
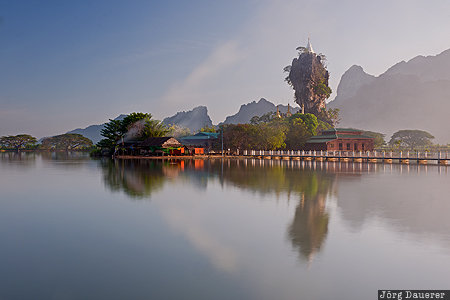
(301, 128)
(131, 119)
(179, 131)
(269, 133)
(266, 118)
(112, 132)
(208, 129)
(274, 134)
(322, 89)
(106, 144)
(330, 116)
(412, 139)
(18, 142)
(378, 138)
(153, 128)
(134, 126)
(68, 141)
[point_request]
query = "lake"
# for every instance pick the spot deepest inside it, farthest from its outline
(76, 228)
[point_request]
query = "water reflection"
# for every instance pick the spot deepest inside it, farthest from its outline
(291, 182)
(19, 159)
(64, 156)
(309, 228)
(137, 178)
(403, 203)
(215, 226)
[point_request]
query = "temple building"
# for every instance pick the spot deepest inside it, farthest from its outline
(201, 143)
(340, 139)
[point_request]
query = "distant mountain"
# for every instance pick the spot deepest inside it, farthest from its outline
(353, 79)
(409, 95)
(194, 119)
(93, 132)
(249, 110)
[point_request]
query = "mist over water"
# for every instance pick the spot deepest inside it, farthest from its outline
(76, 228)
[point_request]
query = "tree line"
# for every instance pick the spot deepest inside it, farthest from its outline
(66, 142)
(269, 132)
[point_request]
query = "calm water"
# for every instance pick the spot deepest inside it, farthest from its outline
(76, 228)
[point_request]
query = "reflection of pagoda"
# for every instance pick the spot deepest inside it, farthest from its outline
(310, 225)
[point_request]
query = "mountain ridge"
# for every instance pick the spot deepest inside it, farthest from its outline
(194, 119)
(411, 94)
(198, 117)
(251, 109)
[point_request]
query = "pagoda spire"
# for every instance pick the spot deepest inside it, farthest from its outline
(288, 114)
(309, 47)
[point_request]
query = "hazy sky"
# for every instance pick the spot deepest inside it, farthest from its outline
(70, 64)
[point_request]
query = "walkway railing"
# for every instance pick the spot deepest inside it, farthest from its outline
(404, 157)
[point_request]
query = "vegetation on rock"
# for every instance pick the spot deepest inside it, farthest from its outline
(308, 76)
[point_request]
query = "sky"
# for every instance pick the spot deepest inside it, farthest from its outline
(71, 64)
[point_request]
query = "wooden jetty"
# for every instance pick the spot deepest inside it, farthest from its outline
(402, 157)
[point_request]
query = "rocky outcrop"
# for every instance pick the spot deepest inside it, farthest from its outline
(351, 81)
(194, 119)
(409, 95)
(309, 78)
(249, 110)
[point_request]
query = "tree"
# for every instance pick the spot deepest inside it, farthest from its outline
(411, 139)
(112, 132)
(208, 129)
(179, 131)
(378, 138)
(68, 141)
(271, 133)
(153, 128)
(239, 136)
(266, 118)
(274, 135)
(17, 142)
(301, 128)
(131, 120)
(137, 126)
(330, 116)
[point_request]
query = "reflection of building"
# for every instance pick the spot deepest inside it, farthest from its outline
(340, 139)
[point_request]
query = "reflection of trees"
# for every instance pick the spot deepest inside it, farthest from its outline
(20, 159)
(307, 231)
(309, 228)
(137, 178)
(64, 155)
